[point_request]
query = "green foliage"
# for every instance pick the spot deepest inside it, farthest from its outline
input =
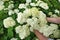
(30, 37)
(10, 32)
(3, 14)
(6, 4)
(3, 37)
(1, 31)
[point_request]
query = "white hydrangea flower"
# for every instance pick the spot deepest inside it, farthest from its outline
(37, 39)
(16, 11)
(1, 2)
(56, 33)
(1, 7)
(33, 23)
(13, 39)
(11, 2)
(50, 13)
(48, 30)
(28, 1)
(10, 12)
(8, 22)
(59, 0)
(44, 5)
(17, 29)
(43, 20)
(58, 39)
(33, 4)
(36, 0)
(54, 15)
(23, 31)
(22, 6)
(35, 26)
(11, 6)
(56, 11)
(27, 13)
(34, 11)
(26, 4)
(21, 18)
(31, 12)
(36, 22)
(29, 21)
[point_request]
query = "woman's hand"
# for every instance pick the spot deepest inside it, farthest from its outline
(40, 35)
(53, 20)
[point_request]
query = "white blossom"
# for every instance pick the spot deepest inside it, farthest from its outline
(58, 39)
(54, 15)
(48, 30)
(13, 39)
(10, 12)
(9, 22)
(21, 18)
(11, 6)
(36, 0)
(22, 6)
(28, 1)
(1, 2)
(50, 13)
(33, 4)
(26, 4)
(44, 5)
(1, 7)
(27, 13)
(42, 18)
(23, 31)
(16, 11)
(34, 11)
(56, 11)
(59, 0)
(11, 2)
(56, 33)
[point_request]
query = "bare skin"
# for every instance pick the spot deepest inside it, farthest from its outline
(40, 35)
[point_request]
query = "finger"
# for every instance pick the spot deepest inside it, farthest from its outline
(54, 20)
(40, 36)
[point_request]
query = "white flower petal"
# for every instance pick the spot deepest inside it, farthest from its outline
(8, 22)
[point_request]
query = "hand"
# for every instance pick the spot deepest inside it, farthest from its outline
(53, 20)
(40, 35)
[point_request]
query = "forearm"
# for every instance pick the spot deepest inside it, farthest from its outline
(53, 20)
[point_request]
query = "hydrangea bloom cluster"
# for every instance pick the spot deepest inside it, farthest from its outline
(38, 21)
(18, 19)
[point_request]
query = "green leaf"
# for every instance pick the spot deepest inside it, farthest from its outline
(1, 31)
(14, 16)
(10, 32)
(30, 37)
(3, 14)
(6, 4)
